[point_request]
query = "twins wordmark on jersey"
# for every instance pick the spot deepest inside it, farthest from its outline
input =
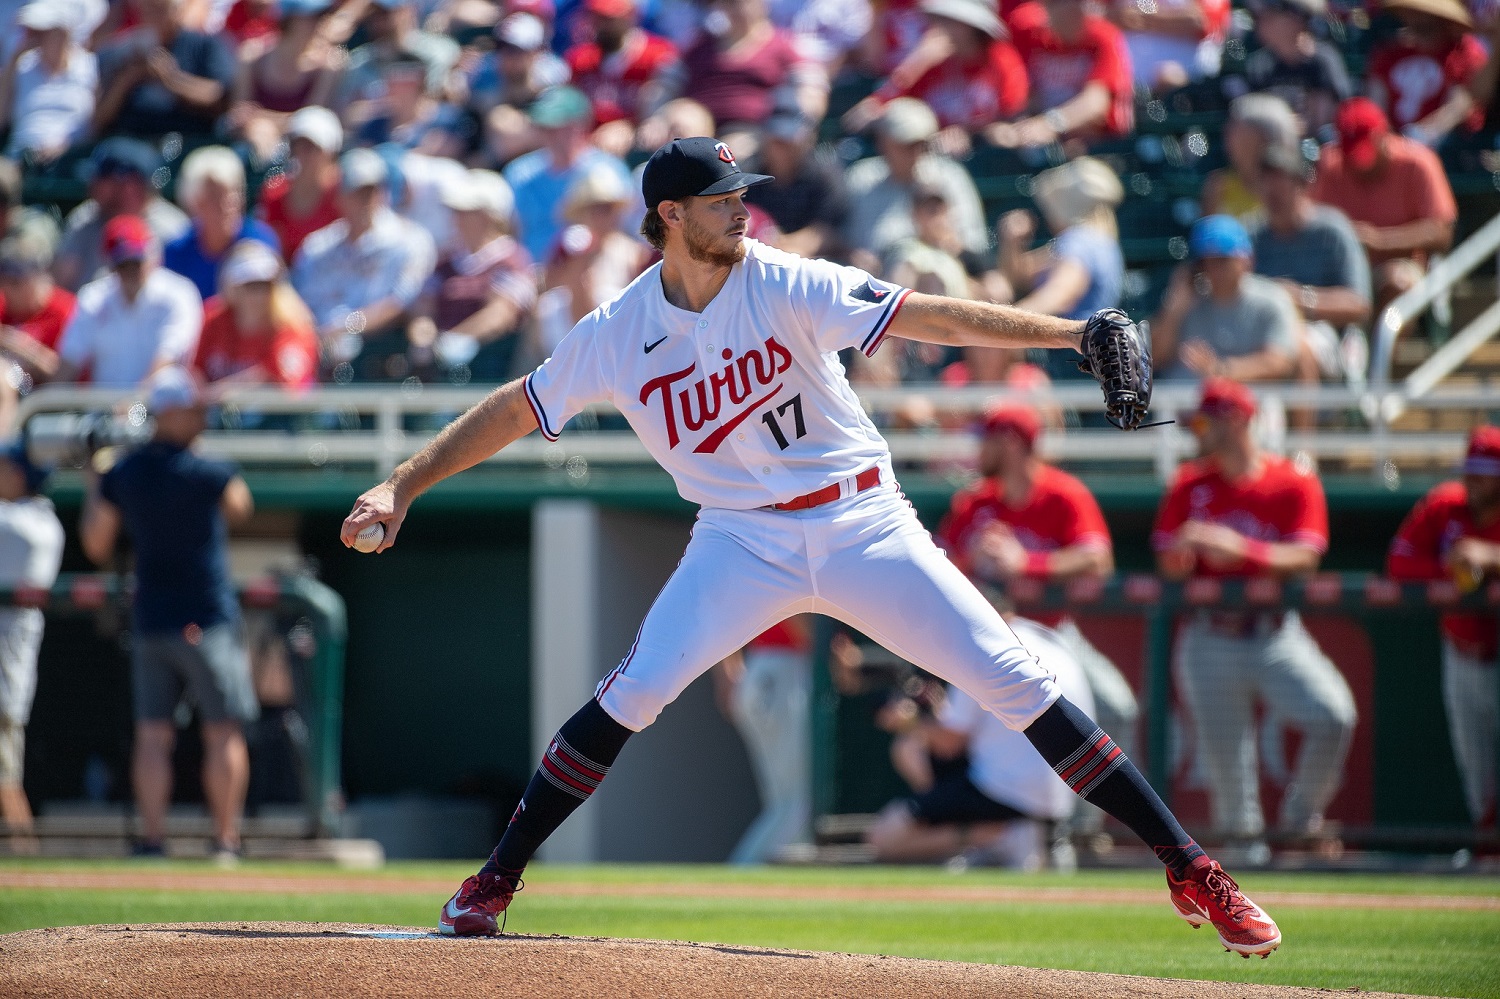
(746, 403)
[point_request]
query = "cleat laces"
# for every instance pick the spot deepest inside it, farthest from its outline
(1227, 894)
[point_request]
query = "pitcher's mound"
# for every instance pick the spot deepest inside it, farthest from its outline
(287, 960)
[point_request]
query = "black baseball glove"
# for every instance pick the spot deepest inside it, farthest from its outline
(1118, 356)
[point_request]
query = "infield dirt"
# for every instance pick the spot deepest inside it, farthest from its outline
(289, 960)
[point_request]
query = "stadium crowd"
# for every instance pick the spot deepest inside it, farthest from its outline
(296, 192)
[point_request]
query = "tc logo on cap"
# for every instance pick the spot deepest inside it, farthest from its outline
(725, 154)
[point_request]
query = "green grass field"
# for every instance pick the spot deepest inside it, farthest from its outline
(1433, 951)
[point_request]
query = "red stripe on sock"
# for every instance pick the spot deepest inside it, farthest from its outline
(1086, 760)
(1083, 781)
(560, 774)
(574, 760)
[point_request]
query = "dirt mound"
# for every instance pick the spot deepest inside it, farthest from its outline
(288, 960)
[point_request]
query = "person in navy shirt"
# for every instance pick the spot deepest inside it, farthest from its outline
(211, 186)
(186, 641)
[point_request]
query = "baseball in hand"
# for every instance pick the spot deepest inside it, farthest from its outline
(370, 538)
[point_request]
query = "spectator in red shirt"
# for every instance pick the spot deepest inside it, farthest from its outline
(1026, 519)
(1172, 42)
(1240, 513)
(256, 331)
(304, 199)
(1454, 533)
(1080, 76)
(615, 71)
(1395, 193)
(980, 82)
(33, 309)
(735, 69)
(1421, 77)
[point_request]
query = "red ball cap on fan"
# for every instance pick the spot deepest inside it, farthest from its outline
(1484, 451)
(1361, 126)
(1223, 396)
(1010, 418)
(126, 237)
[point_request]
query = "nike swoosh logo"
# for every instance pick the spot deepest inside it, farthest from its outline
(453, 912)
(652, 346)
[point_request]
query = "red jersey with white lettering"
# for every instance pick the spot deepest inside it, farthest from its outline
(613, 82)
(972, 95)
(1059, 512)
(746, 403)
(1059, 70)
(1277, 504)
(1420, 550)
(1417, 82)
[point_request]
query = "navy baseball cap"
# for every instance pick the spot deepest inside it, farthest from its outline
(695, 167)
(1218, 236)
(121, 155)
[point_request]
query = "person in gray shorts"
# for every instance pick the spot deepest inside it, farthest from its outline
(187, 642)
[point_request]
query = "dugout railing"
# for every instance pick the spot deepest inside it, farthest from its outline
(316, 631)
(1160, 604)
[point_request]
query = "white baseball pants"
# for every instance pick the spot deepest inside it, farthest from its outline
(1222, 676)
(865, 560)
(1473, 701)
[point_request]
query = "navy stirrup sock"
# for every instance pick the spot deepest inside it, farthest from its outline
(1091, 764)
(575, 763)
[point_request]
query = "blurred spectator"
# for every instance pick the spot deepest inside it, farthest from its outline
(879, 188)
(765, 689)
(1421, 77)
(408, 115)
(1082, 269)
(257, 20)
(33, 309)
(900, 29)
(1001, 809)
(47, 96)
(806, 200)
(1454, 533)
(256, 331)
(186, 637)
(1028, 520)
(1312, 251)
(541, 178)
(1079, 69)
(1219, 319)
(736, 69)
(1295, 65)
(1256, 121)
(391, 32)
(593, 259)
(981, 81)
(163, 77)
(503, 86)
(211, 186)
(130, 322)
(362, 274)
(1239, 512)
(479, 300)
(1172, 42)
(276, 80)
(827, 29)
(17, 219)
(418, 184)
(615, 69)
(31, 544)
(121, 181)
(304, 198)
(1395, 193)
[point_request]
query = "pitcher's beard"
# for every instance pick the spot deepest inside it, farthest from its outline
(700, 246)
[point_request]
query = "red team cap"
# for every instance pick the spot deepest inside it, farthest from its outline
(1010, 418)
(1484, 452)
(1223, 396)
(126, 237)
(610, 8)
(1361, 126)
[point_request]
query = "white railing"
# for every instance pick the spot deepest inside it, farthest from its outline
(368, 425)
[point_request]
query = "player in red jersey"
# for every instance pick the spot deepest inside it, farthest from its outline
(1241, 513)
(1455, 531)
(1079, 71)
(1026, 519)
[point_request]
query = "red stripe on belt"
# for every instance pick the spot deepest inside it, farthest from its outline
(868, 479)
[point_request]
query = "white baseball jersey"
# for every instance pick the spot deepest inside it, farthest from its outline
(746, 403)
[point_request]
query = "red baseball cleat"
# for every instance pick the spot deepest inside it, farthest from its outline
(1208, 895)
(473, 909)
